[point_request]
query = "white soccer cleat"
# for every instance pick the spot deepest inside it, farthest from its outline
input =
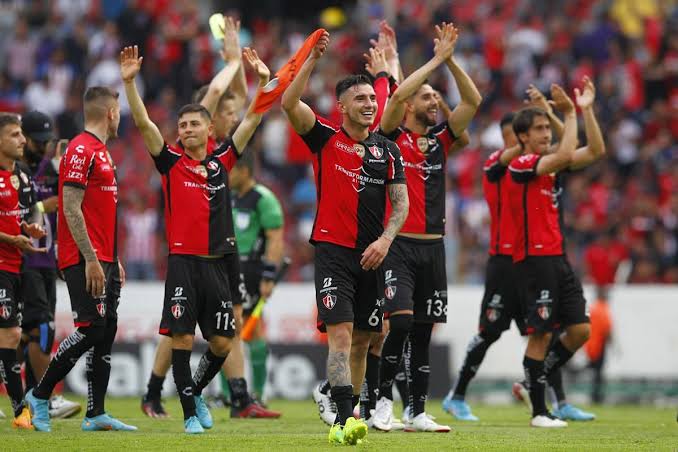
(327, 409)
(407, 415)
(521, 394)
(396, 425)
(423, 423)
(383, 415)
(61, 408)
(547, 421)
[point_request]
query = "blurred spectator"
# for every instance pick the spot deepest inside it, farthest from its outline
(141, 247)
(601, 337)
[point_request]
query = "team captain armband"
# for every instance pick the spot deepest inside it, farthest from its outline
(524, 168)
(493, 168)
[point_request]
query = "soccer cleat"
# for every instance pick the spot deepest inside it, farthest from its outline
(547, 421)
(407, 415)
(39, 409)
(23, 420)
(568, 412)
(354, 431)
(61, 408)
(397, 425)
(192, 426)
(153, 408)
(336, 435)
(459, 409)
(104, 422)
(424, 423)
(521, 394)
(383, 415)
(327, 409)
(254, 411)
(203, 412)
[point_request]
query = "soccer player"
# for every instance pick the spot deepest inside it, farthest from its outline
(258, 221)
(39, 275)
(415, 277)
(199, 232)
(356, 171)
(551, 293)
(87, 236)
(17, 202)
(223, 99)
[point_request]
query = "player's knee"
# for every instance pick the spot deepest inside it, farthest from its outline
(580, 333)
(421, 333)
(489, 337)
(220, 345)
(182, 341)
(401, 324)
(340, 337)
(10, 337)
(360, 341)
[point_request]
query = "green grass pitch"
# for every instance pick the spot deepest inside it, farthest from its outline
(500, 428)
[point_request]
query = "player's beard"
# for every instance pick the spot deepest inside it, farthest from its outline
(422, 117)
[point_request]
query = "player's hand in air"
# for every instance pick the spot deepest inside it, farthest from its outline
(376, 62)
(586, 97)
(447, 35)
(130, 63)
(537, 99)
(231, 43)
(321, 46)
(374, 255)
(255, 63)
(560, 100)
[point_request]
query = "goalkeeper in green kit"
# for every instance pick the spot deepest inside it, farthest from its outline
(258, 224)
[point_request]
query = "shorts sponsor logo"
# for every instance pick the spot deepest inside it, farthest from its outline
(3, 294)
(390, 292)
(5, 312)
(226, 304)
(376, 151)
(101, 309)
(177, 310)
(492, 314)
(329, 301)
(544, 305)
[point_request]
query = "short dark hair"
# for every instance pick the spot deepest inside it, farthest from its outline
(200, 94)
(92, 100)
(247, 160)
(523, 120)
(507, 119)
(351, 80)
(8, 119)
(195, 108)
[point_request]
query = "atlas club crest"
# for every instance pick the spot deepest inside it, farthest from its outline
(376, 151)
(329, 301)
(177, 310)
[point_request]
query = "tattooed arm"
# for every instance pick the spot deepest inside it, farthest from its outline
(94, 273)
(374, 255)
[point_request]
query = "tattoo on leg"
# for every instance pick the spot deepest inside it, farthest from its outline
(338, 370)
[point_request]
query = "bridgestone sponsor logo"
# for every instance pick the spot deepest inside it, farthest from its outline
(359, 177)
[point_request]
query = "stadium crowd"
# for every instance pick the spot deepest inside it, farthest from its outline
(621, 215)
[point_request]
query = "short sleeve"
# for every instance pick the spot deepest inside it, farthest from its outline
(227, 154)
(319, 135)
(444, 134)
(167, 158)
(76, 165)
(393, 136)
(524, 168)
(270, 211)
(493, 168)
(396, 170)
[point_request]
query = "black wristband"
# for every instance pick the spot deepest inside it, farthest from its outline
(382, 74)
(269, 271)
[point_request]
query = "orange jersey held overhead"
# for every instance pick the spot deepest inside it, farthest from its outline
(601, 329)
(274, 89)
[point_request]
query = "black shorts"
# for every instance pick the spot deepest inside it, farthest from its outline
(552, 294)
(235, 279)
(87, 310)
(197, 291)
(10, 305)
(38, 294)
(344, 292)
(416, 280)
(501, 301)
(251, 271)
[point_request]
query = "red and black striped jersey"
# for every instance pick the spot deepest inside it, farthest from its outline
(495, 189)
(351, 179)
(87, 164)
(16, 199)
(197, 200)
(424, 158)
(535, 205)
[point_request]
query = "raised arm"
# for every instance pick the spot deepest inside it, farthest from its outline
(395, 108)
(388, 44)
(300, 115)
(460, 118)
(249, 124)
(595, 145)
(537, 99)
(378, 67)
(130, 64)
(561, 159)
(231, 72)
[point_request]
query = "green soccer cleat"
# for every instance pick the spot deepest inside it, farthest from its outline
(354, 431)
(336, 435)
